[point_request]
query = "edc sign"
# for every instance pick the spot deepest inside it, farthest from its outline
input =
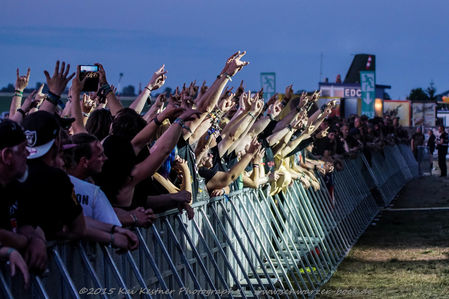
(352, 92)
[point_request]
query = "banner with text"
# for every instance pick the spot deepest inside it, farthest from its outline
(368, 90)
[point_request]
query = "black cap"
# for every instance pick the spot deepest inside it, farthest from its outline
(41, 129)
(11, 134)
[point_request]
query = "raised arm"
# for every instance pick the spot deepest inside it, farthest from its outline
(21, 84)
(75, 91)
(145, 135)
(222, 179)
(105, 90)
(161, 149)
(156, 81)
(56, 86)
(233, 65)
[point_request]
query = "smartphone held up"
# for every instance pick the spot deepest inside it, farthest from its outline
(90, 72)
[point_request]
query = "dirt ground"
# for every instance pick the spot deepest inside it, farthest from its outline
(406, 254)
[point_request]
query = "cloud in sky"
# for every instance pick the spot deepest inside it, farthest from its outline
(193, 38)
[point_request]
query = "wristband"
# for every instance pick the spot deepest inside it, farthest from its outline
(271, 117)
(53, 98)
(21, 112)
(146, 87)
(8, 253)
(134, 218)
(156, 121)
(86, 114)
(186, 128)
(179, 122)
(256, 165)
(104, 90)
(225, 74)
(18, 95)
(113, 228)
(252, 115)
(18, 91)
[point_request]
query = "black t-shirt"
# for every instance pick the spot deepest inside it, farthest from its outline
(9, 196)
(50, 200)
(186, 152)
(206, 173)
(117, 168)
(302, 145)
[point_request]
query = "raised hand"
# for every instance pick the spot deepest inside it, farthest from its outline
(102, 74)
(22, 81)
(226, 103)
(258, 157)
(88, 104)
(193, 89)
(240, 90)
(273, 100)
(77, 84)
(234, 64)
(158, 78)
(256, 106)
(253, 147)
(29, 103)
(274, 109)
(203, 89)
(289, 91)
(57, 83)
(39, 96)
(189, 114)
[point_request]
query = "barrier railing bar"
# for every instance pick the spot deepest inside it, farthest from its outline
(315, 226)
(310, 249)
(211, 256)
(268, 201)
(169, 260)
(137, 274)
(226, 261)
(329, 209)
(197, 255)
(234, 252)
(253, 247)
(5, 287)
(271, 248)
(152, 262)
(256, 275)
(64, 273)
(90, 269)
(183, 256)
(328, 222)
(273, 237)
(40, 287)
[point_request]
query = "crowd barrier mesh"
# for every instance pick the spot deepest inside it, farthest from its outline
(245, 245)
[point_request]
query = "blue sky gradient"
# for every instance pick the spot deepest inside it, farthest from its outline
(193, 38)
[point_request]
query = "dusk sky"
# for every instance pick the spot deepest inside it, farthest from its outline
(410, 39)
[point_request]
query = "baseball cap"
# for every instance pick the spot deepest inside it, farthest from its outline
(11, 133)
(41, 129)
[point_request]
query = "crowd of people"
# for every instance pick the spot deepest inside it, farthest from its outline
(92, 169)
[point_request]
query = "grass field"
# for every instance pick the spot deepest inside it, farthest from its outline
(406, 255)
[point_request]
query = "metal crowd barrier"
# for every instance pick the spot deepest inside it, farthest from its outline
(246, 245)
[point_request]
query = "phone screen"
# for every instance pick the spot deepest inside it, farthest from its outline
(89, 68)
(91, 72)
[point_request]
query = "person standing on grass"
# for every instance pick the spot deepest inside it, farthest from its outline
(442, 142)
